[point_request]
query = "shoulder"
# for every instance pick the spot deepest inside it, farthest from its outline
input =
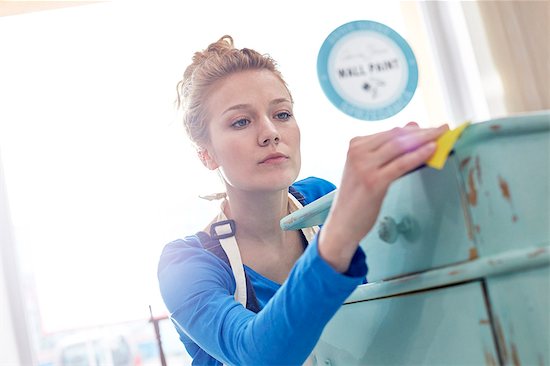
(313, 188)
(174, 249)
(183, 264)
(190, 248)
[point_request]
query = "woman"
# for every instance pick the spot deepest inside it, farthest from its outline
(237, 110)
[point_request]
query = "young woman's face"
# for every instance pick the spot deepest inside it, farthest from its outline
(254, 138)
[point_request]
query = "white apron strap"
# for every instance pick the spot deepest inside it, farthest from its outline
(231, 249)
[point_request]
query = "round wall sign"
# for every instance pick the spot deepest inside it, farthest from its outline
(367, 70)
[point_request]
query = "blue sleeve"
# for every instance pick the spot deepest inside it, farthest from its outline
(198, 290)
(313, 188)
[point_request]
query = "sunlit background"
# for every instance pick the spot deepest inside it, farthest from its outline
(98, 172)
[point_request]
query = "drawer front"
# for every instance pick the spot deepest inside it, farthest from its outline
(504, 169)
(520, 304)
(448, 326)
(436, 234)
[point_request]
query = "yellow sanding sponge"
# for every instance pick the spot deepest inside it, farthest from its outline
(445, 144)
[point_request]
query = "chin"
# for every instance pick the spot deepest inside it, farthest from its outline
(276, 179)
(272, 182)
(281, 180)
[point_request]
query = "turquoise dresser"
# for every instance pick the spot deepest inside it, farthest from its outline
(459, 263)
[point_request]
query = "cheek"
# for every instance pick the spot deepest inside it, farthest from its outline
(295, 143)
(296, 138)
(228, 154)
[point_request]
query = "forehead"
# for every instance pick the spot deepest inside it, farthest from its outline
(245, 87)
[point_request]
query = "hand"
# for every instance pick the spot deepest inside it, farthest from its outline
(373, 163)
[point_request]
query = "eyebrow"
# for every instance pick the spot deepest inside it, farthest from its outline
(244, 106)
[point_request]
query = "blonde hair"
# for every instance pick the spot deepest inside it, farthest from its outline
(218, 61)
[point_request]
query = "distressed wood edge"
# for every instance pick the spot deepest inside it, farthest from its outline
(506, 262)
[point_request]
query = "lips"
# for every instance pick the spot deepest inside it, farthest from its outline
(274, 158)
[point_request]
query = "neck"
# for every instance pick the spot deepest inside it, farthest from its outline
(258, 214)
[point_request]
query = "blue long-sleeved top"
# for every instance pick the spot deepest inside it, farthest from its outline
(198, 288)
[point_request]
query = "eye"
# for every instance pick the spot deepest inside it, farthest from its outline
(284, 116)
(241, 123)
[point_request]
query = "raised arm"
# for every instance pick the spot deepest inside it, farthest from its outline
(373, 163)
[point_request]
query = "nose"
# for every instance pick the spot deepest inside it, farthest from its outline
(269, 134)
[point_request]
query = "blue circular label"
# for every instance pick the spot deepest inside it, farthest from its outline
(367, 70)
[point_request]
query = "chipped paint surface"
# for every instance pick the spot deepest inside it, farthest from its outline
(467, 216)
(464, 162)
(473, 253)
(504, 189)
(472, 193)
(536, 253)
(505, 192)
(495, 128)
(478, 170)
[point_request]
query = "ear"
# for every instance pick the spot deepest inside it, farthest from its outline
(207, 159)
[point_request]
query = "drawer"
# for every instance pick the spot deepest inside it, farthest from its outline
(520, 303)
(448, 326)
(436, 235)
(504, 173)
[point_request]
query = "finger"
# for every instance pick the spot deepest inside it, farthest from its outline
(406, 143)
(374, 142)
(407, 162)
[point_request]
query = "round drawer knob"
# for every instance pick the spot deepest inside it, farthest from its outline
(389, 229)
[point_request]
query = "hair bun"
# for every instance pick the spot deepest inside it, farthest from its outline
(224, 43)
